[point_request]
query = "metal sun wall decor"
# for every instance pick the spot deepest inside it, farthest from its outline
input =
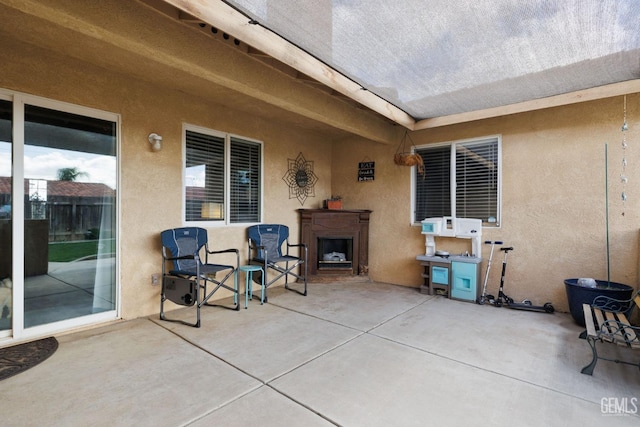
(300, 178)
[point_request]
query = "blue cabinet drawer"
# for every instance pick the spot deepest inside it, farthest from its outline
(439, 275)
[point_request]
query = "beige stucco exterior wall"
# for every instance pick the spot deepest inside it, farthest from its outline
(553, 199)
(150, 186)
(553, 170)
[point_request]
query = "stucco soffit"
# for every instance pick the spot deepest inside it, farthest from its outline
(179, 52)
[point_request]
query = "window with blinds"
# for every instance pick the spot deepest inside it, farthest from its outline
(433, 189)
(245, 185)
(461, 179)
(222, 178)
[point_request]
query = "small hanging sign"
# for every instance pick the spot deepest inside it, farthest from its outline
(366, 171)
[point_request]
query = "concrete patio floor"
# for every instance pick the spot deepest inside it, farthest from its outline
(348, 354)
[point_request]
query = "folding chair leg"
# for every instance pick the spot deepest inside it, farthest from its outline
(163, 298)
(197, 324)
(305, 279)
(218, 285)
(265, 285)
(263, 289)
(201, 299)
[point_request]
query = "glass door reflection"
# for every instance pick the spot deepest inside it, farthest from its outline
(6, 283)
(69, 216)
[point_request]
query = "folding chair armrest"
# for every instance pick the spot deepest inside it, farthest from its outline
(224, 251)
(181, 257)
(297, 245)
(301, 245)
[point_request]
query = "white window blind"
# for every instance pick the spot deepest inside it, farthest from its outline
(433, 189)
(212, 193)
(461, 179)
(245, 181)
(477, 180)
(205, 176)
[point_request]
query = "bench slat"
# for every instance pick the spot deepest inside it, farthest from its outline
(588, 320)
(619, 336)
(600, 319)
(630, 337)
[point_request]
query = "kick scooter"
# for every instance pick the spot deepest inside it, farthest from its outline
(505, 300)
(484, 297)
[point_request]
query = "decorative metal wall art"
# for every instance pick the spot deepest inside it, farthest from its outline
(300, 178)
(623, 174)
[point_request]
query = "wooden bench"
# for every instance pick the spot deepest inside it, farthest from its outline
(607, 322)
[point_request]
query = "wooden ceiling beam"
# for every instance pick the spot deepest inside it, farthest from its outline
(229, 20)
(591, 94)
(185, 17)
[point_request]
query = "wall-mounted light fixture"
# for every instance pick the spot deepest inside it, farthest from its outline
(156, 141)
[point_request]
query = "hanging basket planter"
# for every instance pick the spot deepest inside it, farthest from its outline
(404, 157)
(408, 159)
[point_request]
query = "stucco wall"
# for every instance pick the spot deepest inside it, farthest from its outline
(553, 209)
(151, 183)
(553, 162)
(553, 199)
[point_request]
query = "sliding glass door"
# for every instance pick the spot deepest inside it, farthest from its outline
(65, 176)
(6, 284)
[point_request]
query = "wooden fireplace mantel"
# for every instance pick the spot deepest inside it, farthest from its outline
(329, 223)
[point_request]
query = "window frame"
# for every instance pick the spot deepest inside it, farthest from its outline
(452, 189)
(227, 137)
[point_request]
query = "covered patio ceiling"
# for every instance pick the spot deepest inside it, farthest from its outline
(431, 63)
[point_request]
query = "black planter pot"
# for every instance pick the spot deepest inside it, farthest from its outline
(578, 295)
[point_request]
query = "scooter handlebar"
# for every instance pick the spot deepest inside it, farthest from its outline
(510, 248)
(496, 242)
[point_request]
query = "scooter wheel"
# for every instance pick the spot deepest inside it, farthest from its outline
(498, 303)
(480, 301)
(548, 308)
(527, 301)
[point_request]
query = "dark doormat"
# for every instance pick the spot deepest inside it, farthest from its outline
(19, 358)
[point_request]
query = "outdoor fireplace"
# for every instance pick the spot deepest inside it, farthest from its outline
(337, 240)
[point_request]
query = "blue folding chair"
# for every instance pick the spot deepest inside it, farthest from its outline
(265, 249)
(184, 274)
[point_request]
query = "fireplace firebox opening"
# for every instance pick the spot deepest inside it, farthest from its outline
(335, 253)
